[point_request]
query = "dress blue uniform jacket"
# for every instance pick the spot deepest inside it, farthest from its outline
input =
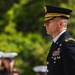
(61, 58)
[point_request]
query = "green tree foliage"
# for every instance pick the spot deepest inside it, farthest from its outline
(32, 22)
(5, 5)
(55, 2)
(71, 23)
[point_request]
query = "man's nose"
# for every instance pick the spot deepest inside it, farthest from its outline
(44, 24)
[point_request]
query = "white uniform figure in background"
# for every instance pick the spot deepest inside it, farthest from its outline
(7, 64)
(40, 70)
(9, 60)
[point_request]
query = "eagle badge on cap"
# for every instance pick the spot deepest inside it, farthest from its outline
(45, 9)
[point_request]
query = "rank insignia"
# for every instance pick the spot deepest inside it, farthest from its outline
(68, 39)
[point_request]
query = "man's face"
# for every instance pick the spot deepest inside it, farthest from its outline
(51, 26)
(0, 61)
(15, 74)
(6, 63)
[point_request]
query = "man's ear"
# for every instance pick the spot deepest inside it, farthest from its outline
(61, 23)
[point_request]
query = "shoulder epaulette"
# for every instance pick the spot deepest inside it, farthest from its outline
(68, 39)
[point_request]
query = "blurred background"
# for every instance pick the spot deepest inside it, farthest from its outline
(22, 31)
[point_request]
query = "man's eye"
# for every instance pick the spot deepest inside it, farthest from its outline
(48, 22)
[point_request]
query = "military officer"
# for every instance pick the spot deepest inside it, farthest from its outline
(61, 57)
(40, 70)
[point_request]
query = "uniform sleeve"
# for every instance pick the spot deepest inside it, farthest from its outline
(68, 55)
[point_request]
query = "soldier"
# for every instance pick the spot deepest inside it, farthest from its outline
(1, 67)
(40, 70)
(9, 63)
(1, 54)
(9, 60)
(61, 57)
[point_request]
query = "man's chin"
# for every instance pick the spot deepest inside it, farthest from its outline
(48, 33)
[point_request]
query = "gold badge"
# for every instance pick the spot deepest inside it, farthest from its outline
(45, 9)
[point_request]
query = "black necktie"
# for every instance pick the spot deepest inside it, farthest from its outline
(52, 45)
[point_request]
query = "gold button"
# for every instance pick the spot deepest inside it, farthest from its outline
(60, 45)
(58, 57)
(47, 62)
(54, 62)
(47, 70)
(56, 42)
(58, 49)
(54, 58)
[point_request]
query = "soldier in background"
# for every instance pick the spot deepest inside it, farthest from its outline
(1, 54)
(8, 64)
(40, 70)
(1, 68)
(9, 60)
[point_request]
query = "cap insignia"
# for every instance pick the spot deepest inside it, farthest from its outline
(45, 9)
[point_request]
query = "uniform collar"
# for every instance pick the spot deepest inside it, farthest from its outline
(57, 37)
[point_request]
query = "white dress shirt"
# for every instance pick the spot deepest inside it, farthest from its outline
(56, 38)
